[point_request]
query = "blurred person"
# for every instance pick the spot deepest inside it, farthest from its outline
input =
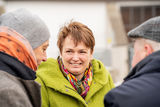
(17, 58)
(17, 65)
(31, 27)
(141, 87)
(74, 79)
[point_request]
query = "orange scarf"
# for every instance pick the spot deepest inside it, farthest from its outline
(16, 45)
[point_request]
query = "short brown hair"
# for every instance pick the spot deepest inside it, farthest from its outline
(79, 32)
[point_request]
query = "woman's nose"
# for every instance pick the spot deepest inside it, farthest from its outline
(44, 57)
(75, 57)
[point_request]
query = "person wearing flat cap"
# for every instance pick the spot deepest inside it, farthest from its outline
(31, 27)
(141, 88)
(20, 33)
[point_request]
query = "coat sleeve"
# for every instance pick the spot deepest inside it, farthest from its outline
(110, 101)
(44, 93)
(11, 97)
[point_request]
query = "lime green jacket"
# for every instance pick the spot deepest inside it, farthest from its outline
(57, 91)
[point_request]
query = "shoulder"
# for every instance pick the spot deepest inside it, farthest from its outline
(134, 92)
(118, 96)
(8, 81)
(99, 68)
(16, 97)
(98, 65)
(48, 71)
(100, 73)
(12, 92)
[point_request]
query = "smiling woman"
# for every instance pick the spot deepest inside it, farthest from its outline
(75, 76)
(75, 58)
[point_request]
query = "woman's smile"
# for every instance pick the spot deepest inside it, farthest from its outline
(75, 58)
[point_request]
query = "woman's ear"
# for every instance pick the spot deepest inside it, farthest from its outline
(148, 48)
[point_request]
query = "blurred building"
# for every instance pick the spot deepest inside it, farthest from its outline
(110, 21)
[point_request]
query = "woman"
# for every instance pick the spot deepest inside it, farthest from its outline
(17, 62)
(74, 79)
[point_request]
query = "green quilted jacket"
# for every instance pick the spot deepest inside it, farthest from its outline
(58, 92)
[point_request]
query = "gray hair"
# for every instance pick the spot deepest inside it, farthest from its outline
(155, 45)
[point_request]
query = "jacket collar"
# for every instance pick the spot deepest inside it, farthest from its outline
(147, 65)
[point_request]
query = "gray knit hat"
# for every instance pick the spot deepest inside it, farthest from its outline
(27, 24)
(150, 29)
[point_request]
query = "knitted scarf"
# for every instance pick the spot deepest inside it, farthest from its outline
(82, 86)
(14, 44)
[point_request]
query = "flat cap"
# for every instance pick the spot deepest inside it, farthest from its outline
(150, 29)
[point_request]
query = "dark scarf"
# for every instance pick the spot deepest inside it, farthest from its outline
(14, 67)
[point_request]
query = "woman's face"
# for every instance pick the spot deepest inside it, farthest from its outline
(40, 52)
(75, 58)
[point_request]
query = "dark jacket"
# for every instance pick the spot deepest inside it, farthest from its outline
(141, 88)
(17, 85)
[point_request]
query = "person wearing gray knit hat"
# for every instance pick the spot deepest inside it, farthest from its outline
(141, 86)
(31, 27)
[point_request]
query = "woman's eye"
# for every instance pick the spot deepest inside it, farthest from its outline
(68, 51)
(44, 50)
(82, 52)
